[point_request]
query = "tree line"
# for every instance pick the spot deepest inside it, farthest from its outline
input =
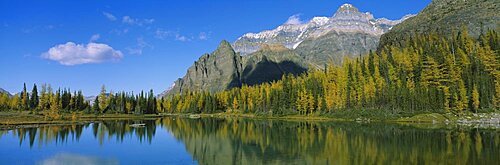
(60, 101)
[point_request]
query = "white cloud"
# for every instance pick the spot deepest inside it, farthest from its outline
(203, 36)
(134, 21)
(95, 37)
(110, 16)
(74, 54)
(294, 20)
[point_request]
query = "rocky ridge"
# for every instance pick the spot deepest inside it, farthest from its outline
(347, 19)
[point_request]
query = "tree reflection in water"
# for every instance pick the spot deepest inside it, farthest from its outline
(245, 141)
(102, 130)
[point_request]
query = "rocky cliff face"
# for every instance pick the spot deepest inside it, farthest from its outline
(347, 20)
(446, 16)
(216, 71)
(335, 46)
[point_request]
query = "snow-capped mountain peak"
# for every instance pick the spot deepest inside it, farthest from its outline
(347, 8)
(347, 19)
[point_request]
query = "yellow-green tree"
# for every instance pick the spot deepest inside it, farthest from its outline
(103, 99)
(475, 99)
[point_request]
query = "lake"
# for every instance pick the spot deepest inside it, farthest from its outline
(175, 140)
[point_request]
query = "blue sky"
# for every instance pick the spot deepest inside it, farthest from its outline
(139, 45)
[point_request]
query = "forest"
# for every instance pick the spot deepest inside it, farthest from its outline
(425, 73)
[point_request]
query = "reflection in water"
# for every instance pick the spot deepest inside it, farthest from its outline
(244, 141)
(120, 129)
(48, 134)
(240, 141)
(60, 134)
(75, 159)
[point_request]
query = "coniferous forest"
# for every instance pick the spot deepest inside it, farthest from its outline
(423, 73)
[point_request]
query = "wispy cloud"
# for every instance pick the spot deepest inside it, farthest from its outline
(141, 44)
(294, 20)
(110, 16)
(68, 158)
(135, 21)
(95, 37)
(74, 54)
(162, 34)
(119, 31)
(38, 28)
(204, 35)
(182, 38)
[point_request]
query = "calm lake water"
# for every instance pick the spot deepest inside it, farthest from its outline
(245, 141)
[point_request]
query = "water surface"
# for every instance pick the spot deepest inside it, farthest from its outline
(245, 141)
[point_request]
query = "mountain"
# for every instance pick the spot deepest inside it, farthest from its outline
(347, 32)
(4, 91)
(446, 16)
(225, 69)
(257, 58)
(90, 99)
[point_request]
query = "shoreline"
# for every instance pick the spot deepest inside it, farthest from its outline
(14, 120)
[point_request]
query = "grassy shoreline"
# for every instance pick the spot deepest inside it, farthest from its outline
(16, 119)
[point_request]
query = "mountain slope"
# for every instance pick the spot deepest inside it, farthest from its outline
(446, 16)
(216, 71)
(270, 64)
(334, 46)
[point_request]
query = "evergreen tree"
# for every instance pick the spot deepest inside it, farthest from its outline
(25, 99)
(95, 106)
(34, 97)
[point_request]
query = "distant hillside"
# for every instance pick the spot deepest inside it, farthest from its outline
(445, 16)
